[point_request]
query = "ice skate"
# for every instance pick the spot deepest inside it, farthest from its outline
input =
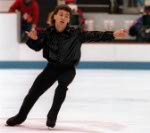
(16, 120)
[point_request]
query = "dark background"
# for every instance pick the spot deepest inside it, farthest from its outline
(45, 7)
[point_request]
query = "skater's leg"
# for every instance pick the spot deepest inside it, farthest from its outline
(60, 93)
(40, 85)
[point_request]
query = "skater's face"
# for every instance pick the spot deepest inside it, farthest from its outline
(62, 18)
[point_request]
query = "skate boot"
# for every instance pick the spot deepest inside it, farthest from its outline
(51, 122)
(16, 120)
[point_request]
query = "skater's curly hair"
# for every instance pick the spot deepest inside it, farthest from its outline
(61, 7)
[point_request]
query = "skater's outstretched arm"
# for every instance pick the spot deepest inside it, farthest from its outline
(97, 36)
(36, 39)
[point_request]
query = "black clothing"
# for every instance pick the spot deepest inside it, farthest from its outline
(45, 80)
(64, 48)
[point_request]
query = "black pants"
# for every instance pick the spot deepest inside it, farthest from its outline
(64, 76)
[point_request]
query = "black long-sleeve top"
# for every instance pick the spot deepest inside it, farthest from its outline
(64, 48)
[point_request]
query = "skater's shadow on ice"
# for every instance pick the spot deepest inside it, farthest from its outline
(71, 127)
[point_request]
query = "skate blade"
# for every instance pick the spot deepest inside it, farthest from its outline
(50, 128)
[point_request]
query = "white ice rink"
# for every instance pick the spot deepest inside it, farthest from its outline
(98, 101)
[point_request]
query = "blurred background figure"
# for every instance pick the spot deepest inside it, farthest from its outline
(141, 27)
(135, 29)
(116, 6)
(140, 4)
(29, 15)
(77, 19)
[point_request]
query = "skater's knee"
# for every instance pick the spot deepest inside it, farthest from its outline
(62, 87)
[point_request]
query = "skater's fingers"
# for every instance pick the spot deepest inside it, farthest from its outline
(34, 31)
(27, 32)
(32, 34)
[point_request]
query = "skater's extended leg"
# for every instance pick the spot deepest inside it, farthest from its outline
(40, 85)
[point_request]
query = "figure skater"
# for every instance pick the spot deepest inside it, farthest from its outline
(61, 46)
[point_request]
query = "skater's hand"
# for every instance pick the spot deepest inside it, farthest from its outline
(32, 34)
(121, 33)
